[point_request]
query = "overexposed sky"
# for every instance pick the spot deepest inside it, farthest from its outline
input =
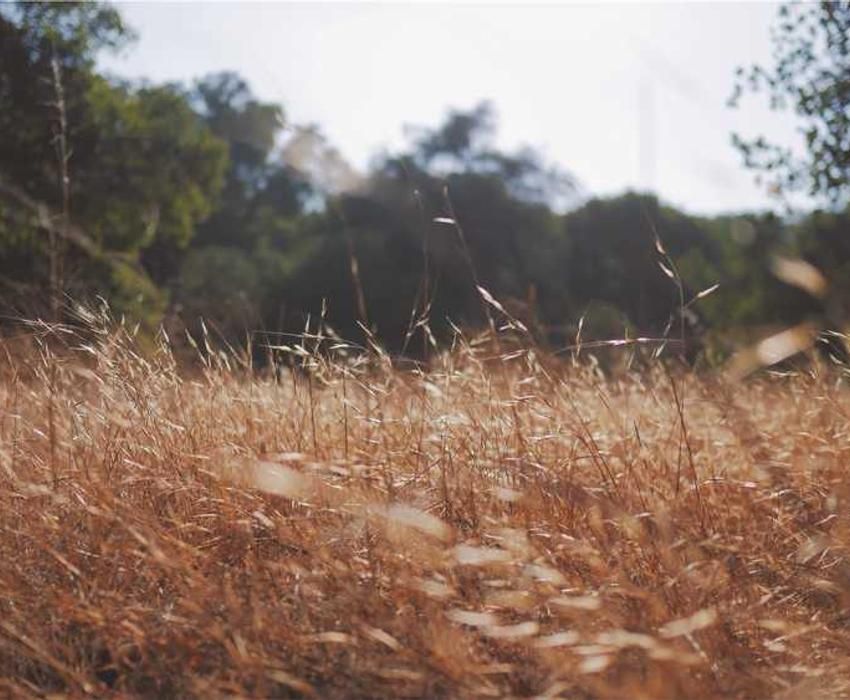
(623, 95)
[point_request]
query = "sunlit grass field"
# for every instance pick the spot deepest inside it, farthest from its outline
(497, 524)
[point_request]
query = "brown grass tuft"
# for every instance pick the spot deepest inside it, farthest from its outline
(491, 527)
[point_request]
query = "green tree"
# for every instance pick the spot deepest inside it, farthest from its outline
(255, 223)
(811, 76)
(387, 249)
(611, 256)
(92, 172)
(823, 239)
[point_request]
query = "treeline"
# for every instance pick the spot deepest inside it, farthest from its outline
(181, 202)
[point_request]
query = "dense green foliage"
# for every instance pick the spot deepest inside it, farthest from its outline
(189, 202)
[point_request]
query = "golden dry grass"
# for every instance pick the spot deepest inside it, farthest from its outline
(504, 527)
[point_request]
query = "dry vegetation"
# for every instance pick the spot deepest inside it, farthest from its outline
(510, 526)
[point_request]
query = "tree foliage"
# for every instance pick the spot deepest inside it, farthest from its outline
(135, 165)
(200, 201)
(811, 77)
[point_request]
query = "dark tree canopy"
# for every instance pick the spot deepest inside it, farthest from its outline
(464, 143)
(178, 203)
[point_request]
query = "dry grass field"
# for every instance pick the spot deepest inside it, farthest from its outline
(495, 526)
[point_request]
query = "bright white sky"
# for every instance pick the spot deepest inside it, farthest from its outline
(628, 95)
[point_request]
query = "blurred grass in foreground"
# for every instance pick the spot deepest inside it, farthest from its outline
(492, 526)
